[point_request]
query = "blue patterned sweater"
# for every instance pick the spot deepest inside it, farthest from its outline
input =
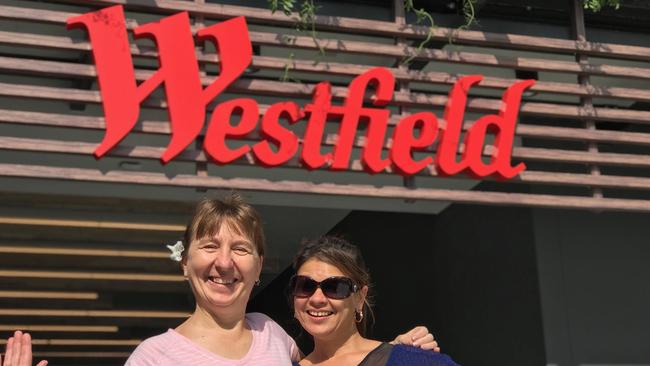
(401, 355)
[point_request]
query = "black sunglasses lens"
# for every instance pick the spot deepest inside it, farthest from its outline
(336, 288)
(303, 286)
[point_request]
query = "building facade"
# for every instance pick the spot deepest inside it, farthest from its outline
(545, 267)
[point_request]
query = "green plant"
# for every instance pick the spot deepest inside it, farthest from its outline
(285, 5)
(306, 21)
(421, 16)
(469, 13)
(286, 75)
(306, 16)
(597, 5)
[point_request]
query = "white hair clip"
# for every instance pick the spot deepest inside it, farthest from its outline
(177, 251)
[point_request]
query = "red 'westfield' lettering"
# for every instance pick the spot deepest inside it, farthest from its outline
(187, 101)
(178, 70)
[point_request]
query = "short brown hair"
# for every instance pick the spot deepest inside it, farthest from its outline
(345, 256)
(210, 214)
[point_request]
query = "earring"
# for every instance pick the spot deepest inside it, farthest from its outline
(358, 316)
(258, 282)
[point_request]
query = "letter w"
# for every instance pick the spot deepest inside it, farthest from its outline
(179, 70)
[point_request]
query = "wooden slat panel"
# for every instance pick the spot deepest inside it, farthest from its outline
(277, 88)
(533, 154)
(90, 224)
(94, 313)
(261, 87)
(363, 26)
(449, 79)
(60, 328)
(586, 157)
(54, 68)
(566, 179)
(9, 249)
(149, 152)
(82, 342)
(73, 121)
(161, 127)
(366, 48)
(92, 355)
(92, 276)
(246, 184)
(49, 294)
(356, 166)
(468, 58)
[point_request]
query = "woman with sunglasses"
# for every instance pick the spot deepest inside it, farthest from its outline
(331, 302)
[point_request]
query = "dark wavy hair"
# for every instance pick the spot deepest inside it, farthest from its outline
(345, 256)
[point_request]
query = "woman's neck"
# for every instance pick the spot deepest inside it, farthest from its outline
(325, 349)
(218, 323)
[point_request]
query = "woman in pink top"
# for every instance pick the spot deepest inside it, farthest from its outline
(222, 264)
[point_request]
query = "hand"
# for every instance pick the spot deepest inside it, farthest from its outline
(418, 337)
(19, 351)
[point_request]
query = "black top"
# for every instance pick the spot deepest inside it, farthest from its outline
(378, 356)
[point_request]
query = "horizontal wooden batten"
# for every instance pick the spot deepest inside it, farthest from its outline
(7, 249)
(65, 69)
(327, 189)
(355, 47)
(81, 342)
(467, 58)
(60, 328)
(91, 355)
(375, 27)
(276, 88)
(89, 224)
(162, 127)
(93, 276)
(523, 153)
(49, 294)
(93, 313)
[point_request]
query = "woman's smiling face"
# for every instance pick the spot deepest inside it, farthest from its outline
(320, 316)
(222, 268)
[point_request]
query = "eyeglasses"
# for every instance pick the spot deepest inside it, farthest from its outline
(333, 287)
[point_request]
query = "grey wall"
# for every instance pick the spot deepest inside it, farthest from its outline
(487, 286)
(595, 285)
(469, 274)
(507, 286)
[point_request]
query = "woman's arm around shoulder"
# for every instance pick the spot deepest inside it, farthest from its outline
(402, 355)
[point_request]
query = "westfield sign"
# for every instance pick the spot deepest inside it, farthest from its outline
(187, 101)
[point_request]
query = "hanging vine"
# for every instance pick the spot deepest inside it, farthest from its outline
(307, 20)
(598, 5)
(421, 16)
(306, 16)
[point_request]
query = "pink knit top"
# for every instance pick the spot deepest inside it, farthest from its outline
(271, 346)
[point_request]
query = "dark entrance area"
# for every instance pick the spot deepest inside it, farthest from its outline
(468, 274)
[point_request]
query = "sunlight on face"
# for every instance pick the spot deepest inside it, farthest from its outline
(222, 269)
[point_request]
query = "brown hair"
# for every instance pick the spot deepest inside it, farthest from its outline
(346, 257)
(210, 214)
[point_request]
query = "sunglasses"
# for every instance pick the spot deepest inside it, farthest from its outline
(333, 287)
